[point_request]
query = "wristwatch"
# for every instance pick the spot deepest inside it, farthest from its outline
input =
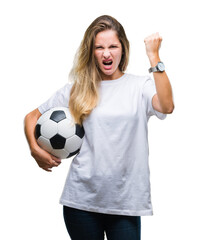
(158, 68)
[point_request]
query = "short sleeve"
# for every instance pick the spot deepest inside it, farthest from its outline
(59, 99)
(148, 91)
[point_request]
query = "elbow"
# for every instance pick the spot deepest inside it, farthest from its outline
(27, 116)
(32, 117)
(169, 109)
(25, 119)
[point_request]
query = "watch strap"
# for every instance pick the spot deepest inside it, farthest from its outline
(157, 68)
(153, 69)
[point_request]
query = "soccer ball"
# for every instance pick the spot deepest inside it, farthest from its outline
(57, 133)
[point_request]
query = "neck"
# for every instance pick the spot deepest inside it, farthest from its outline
(114, 76)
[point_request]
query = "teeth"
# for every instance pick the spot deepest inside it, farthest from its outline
(107, 62)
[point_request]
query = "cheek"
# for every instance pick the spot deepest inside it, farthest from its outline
(118, 57)
(97, 56)
(97, 59)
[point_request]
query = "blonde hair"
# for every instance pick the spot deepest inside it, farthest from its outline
(84, 75)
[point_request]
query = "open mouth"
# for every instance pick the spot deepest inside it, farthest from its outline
(107, 63)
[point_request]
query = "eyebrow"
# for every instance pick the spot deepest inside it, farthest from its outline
(110, 44)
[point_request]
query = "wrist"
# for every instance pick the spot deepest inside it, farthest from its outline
(154, 59)
(34, 148)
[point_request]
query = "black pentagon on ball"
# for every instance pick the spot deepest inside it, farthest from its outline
(58, 116)
(57, 141)
(37, 132)
(80, 131)
(73, 153)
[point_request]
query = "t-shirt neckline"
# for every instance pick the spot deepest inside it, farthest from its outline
(104, 82)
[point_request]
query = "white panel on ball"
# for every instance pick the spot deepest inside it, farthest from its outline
(68, 114)
(49, 129)
(60, 153)
(66, 128)
(44, 143)
(73, 143)
(44, 117)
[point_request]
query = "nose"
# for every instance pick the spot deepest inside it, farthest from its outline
(106, 53)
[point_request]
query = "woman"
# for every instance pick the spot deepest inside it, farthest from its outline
(107, 188)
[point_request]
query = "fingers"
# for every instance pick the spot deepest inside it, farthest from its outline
(57, 160)
(50, 163)
(47, 169)
(46, 160)
(49, 166)
(153, 44)
(152, 37)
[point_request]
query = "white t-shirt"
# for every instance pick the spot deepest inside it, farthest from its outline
(111, 173)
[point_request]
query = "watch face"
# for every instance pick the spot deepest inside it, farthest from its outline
(161, 66)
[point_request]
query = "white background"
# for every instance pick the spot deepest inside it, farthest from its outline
(37, 45)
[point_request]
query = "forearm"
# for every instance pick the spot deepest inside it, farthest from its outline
(29, 127)
(163, 87)
(44, 159)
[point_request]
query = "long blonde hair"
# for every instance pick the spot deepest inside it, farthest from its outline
(84, 75)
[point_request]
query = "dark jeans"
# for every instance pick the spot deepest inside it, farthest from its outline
(84, 225)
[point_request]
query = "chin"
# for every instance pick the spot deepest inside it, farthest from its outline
(108, 74)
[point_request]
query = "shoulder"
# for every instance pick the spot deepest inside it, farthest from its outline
(69, 84)
(67, 87)
(64, 91)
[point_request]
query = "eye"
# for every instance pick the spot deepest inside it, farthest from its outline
(98, 47)
(113, 46)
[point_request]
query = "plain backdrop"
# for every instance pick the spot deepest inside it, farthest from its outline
(38, 41)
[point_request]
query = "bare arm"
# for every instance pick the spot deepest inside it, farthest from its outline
(163, 100)
(45, 160)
